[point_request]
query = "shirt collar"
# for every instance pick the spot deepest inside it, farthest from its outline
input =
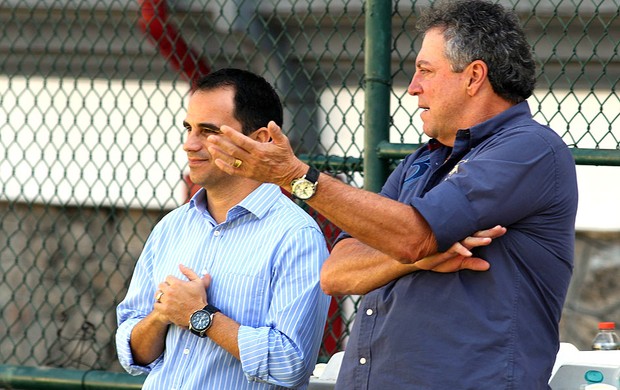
(258, 202)
(466, 139)
(484, 130)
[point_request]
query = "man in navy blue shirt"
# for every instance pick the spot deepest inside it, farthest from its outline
(488, 163)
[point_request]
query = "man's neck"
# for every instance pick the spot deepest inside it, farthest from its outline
(221, 199)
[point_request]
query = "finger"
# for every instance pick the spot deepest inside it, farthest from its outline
(472, 242)
(459, 249)
(450, 265)
(434, 261)
(224, 161)
(158, 295)
(170, 280)
(226, 150)
(494, 232)
(189, 273)
(234, 143)
(461, 263)
(206, 281)
(475, 264)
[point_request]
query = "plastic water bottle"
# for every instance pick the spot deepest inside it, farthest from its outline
(606, 339)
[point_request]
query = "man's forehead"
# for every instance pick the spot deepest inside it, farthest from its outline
(432, 50)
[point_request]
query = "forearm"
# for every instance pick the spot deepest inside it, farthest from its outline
(224, 332)
(354, 268)
(148, 339)
(391, 227)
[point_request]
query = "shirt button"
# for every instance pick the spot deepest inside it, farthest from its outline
(216, 233)
(369, 312)
(362, 360)
(185, 351)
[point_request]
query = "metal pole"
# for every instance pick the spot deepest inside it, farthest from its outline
(377, 49)
(609, 157)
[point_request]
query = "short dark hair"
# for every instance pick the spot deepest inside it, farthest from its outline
(481, 30)
(256, 101)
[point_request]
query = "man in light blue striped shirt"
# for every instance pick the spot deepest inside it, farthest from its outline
(241, 259)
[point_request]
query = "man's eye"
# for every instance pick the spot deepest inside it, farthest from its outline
(211, 130)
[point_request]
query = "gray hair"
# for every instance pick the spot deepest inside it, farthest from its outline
(480, 30)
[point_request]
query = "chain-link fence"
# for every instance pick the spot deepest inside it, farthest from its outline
(93, 93)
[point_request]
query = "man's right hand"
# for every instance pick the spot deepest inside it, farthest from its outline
(459, 256)
(266, 162)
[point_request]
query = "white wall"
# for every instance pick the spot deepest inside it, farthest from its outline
(91, 142)
(119, 143)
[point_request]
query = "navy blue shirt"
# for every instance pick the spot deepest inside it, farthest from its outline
(476, 330)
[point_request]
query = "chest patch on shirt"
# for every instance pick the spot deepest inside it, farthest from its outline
(455, 169)
(417, 170)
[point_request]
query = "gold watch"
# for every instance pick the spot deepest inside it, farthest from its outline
(305, 187)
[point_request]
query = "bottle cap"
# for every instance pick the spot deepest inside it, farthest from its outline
(607, 325)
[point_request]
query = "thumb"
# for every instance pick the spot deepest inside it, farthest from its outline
(276, 133)
(189, 273)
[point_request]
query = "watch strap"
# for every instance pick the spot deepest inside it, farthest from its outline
(313, 175)
(211, 309)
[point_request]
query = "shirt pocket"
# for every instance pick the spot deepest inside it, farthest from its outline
(241, 297)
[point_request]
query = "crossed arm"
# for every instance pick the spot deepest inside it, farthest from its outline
(355, 268)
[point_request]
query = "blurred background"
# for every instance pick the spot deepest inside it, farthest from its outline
(93, 94)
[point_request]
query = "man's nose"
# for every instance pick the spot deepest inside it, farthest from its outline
(414, 87)
(191, 142)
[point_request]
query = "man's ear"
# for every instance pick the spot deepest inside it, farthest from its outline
(477, 72)
(261, 135)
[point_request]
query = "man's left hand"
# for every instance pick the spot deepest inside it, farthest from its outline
(180, 298)
(459, 256)
(266, 162)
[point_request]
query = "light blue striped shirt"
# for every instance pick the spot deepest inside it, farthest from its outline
(265, 261)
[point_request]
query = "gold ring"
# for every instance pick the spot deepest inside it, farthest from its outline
(237, 163)
(158, 296)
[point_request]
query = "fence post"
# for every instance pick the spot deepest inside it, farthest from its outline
(378, 44)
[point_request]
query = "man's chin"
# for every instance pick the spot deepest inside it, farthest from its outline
(426, 129)
(196, 179)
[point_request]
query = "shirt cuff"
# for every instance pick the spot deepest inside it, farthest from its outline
(254, 361)
(123, 349)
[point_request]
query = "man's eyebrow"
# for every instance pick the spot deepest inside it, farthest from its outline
(205, 125)
(210, 126)
(422, 63)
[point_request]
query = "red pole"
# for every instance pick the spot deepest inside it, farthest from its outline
(155, 24)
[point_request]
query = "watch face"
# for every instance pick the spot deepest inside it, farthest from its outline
(303, 189)
(200, 320)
